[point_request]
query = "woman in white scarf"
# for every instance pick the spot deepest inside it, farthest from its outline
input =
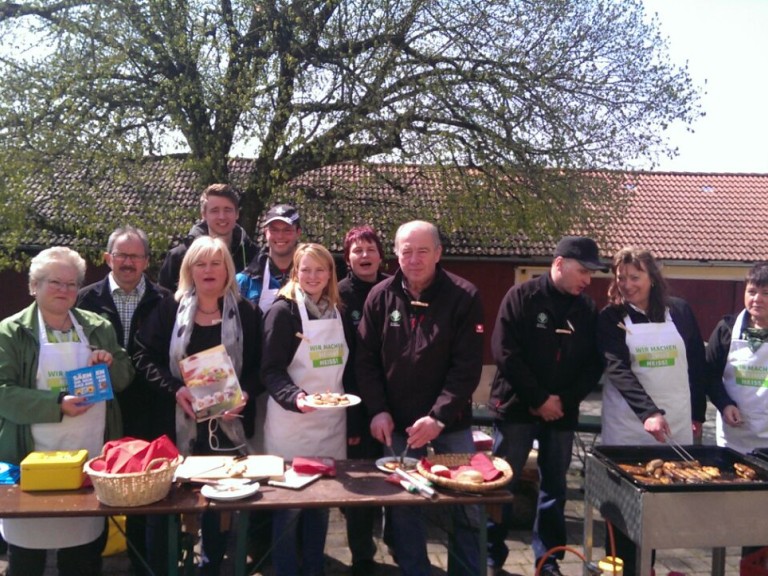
(205, 311)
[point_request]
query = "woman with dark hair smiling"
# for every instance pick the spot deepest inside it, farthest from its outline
(363, 253)
(654, 381)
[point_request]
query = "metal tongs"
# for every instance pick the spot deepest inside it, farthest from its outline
(678, 448)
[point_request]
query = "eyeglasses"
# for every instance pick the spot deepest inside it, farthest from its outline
(62, 286)
(122, 257)
(213, 439)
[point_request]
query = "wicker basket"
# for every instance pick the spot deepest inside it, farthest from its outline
(455, 460)
(135, 488)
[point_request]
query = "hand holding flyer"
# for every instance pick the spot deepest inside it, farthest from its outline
(91, 383)
(212, 381)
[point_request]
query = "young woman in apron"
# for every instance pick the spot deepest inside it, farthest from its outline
(655, 375)
(62, 345)
(305, 352)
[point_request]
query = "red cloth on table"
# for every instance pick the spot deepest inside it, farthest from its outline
(128, 455)
(324, 466)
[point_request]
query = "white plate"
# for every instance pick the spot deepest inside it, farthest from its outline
(229, 489)
(410, 463)
(353, 401)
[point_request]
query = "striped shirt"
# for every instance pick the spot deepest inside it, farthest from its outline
(126, 304)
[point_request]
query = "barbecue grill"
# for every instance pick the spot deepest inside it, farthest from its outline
(701, 515)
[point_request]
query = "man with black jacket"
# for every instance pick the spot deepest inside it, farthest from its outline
(419, 357)
(544, 346)
(219, 211)
(126, 297)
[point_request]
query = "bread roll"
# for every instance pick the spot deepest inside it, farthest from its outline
(471, 476)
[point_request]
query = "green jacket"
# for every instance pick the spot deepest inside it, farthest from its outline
(22, 404)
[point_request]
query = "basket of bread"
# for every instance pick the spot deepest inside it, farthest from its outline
(466, 472)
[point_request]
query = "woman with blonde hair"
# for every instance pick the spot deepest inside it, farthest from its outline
(205, 311)
(305, 352)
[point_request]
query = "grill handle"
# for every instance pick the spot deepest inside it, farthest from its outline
(613, 475)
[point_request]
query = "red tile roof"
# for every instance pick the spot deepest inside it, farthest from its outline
(694, 216)
(678, 216)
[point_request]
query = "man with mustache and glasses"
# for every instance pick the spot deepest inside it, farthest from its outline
(126, 297)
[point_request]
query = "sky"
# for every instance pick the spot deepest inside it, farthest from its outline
(726, 46)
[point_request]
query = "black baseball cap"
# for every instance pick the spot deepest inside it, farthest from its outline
(285, 213)
(582, 249)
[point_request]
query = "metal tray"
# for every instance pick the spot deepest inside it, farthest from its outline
(723, 458)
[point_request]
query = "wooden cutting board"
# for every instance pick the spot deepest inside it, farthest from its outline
(216, 467)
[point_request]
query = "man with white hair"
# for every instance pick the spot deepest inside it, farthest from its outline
(419, 358)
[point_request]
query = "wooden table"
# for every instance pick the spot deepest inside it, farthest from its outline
(357, 483)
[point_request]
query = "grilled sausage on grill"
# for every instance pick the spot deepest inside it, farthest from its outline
(744, 471)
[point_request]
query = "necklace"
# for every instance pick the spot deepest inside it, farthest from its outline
(200, 309)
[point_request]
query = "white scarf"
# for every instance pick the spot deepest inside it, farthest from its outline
(231, 339)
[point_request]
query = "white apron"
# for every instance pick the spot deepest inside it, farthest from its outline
(317, 366)
(746, 380)
(266, 299)
(72, 433)
(657, 352)
(268, 295)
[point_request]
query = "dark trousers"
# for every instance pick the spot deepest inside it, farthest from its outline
(83, 560)
(135, 534)
(360, 525)
(213, 543)
(514, 442)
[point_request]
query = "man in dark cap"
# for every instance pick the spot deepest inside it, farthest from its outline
(260, 282)
(270, 269)
(547, 362)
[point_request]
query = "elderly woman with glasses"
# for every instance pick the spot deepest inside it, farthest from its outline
(37, 413)
(206, 311)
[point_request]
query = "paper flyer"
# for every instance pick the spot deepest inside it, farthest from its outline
(91, 383)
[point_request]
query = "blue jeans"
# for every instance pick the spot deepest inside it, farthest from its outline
(514, 442)
(313, 523)
(409, 532)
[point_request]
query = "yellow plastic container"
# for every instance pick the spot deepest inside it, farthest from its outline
(116, 542)
(57, 470)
